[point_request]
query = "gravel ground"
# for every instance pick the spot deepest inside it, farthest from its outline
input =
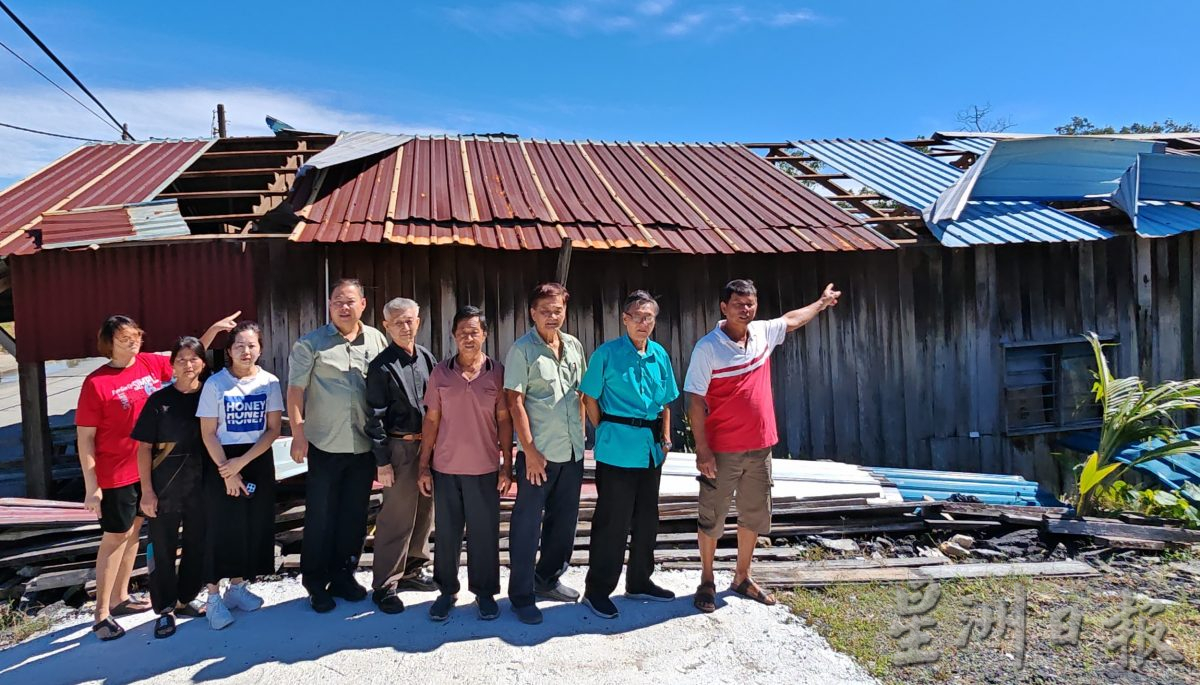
(285, 642)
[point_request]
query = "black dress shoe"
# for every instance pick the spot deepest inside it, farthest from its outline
(387, 600)
(421, 582)
(321, 602)
(347, 588)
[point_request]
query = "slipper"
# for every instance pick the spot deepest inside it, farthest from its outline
(164, 626)
(130, 607)
(108, 629)
(750, 590)
(193, 609)
(706, 597)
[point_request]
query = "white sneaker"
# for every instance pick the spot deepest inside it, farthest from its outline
(218, 614)
(239, 597)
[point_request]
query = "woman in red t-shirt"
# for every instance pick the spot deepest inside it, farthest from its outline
(110, 400)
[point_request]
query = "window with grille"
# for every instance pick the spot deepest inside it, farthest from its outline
(1048, 386)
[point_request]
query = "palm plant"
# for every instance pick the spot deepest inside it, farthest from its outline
(1132, 414)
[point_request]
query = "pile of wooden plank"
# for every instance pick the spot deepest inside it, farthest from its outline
(52, 545)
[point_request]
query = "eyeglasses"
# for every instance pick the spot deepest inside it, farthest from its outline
(340, 304)
(130, 339)
(642, 318)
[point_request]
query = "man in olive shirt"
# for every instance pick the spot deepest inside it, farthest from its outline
(327, 410)
(396, 381)
(541, 381)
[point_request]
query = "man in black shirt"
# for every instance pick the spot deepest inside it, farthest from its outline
(395, 385)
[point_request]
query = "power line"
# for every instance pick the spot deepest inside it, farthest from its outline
(32, 36)
(51, 81)
(47, 133)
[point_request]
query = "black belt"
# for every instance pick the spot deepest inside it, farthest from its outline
(653, 424)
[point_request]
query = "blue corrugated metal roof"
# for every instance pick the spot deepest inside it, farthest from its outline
(1173, 471)
(917, 180)
(988, 222)
(917, 484)
(1049, 168)
(1152, 188)
(895, 170)
(976, 145)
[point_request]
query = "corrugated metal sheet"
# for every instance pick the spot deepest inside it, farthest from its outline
(976, 145)
(1156, 219)
(91, 176)
(99, 225)
(530, 194)
(352, 145)
(1049, 168)
(193, 285)
(986, 222)
(1152, 190)
(912, 178)
(918, 484)
(893, 169)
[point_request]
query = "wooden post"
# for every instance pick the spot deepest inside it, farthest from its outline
(221, 129)
(35, 429)
(564, 262)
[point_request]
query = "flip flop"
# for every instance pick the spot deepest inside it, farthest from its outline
(108, 629)
(750, 590)
(164, 626)
(706, 598)
(130, 607)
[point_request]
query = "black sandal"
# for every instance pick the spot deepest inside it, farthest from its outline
(108, 629)
(164, 626)
(706, 597)
(750, 590)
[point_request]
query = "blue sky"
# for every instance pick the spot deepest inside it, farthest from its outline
(599, 69)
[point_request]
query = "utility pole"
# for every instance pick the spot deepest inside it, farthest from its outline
(221, 131)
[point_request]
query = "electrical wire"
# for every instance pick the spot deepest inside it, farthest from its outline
(33, 36)
(47, 133)
(64, 91)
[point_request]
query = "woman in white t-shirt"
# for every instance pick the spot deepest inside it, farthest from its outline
(241, 409)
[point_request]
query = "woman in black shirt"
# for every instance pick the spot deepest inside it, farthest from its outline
(170, 454)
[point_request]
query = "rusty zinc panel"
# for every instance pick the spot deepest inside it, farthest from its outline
(504, 193)
(171, 290)
(91, 176)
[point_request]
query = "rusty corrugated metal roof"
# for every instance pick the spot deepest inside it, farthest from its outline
(530, 194)
(113, 223)
(91, 176)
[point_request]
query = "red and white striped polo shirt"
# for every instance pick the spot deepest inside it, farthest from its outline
(736, 384)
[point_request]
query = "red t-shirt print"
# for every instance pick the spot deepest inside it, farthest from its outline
(110, 401)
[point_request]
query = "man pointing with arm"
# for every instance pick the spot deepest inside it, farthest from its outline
(732, 413)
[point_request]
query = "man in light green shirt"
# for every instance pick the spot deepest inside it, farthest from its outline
(327, 412)
(541, 380)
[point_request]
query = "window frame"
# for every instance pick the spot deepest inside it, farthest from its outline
(1054, 348)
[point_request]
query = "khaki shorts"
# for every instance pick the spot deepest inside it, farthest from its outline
(746, 476)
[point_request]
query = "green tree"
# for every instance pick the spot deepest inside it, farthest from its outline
(1082, 126)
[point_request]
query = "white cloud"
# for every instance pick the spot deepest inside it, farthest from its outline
(165, 113)
(789, 18)
(648, 17)
(654, 7)
(685, 24)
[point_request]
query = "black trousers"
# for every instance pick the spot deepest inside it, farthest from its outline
(338, 489)
(625, 499)
(167, 585)
(241, 530)
(543, 516)
(474, 503)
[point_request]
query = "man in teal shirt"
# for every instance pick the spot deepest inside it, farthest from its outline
(541, 383)
(627, 387)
